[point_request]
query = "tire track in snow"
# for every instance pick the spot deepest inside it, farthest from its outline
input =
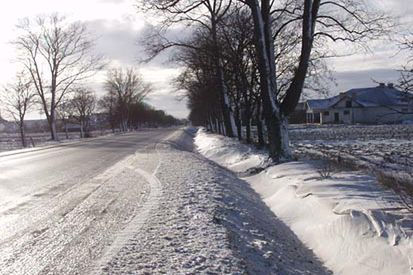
(35, 252)
(136, 224)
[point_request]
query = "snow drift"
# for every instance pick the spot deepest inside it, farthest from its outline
(351, 222)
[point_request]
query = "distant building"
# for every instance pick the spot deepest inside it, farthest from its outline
(381, 104)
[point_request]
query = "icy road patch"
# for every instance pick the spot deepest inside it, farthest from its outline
(209, 222)
(162, 209)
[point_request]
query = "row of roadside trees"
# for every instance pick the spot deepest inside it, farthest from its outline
(57, 56)
(122, 108)
(247, 62)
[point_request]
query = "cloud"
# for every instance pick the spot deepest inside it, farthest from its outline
(347, 80)
(120, 30)
(364, 78)
(379, 58)
(119, 42)
(164, 96)
(169, 103)
(384, 53)
(400, 8)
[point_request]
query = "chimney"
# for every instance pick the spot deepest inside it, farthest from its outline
(382, 85)
(390, 85)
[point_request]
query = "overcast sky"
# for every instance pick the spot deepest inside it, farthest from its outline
(118, 26)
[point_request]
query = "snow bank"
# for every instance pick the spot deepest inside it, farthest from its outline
(352, 223)
(229, 152)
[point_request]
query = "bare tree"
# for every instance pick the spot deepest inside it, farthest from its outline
(84, 104)
(128, 87)
(199, 83)
(406, 73)
(108, 104)
(341, 20)
(279, 28)
(56, 54)
(18, 98)
(208, 14)
(64, 112)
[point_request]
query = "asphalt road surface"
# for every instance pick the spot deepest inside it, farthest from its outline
(140, 203)
(61, 206)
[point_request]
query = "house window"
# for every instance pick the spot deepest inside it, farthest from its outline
(317, 118)
(348, 104)
(326, 113)
(346, 112)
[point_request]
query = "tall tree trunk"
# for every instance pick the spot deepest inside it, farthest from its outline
(247, 121)
(52, 125)
(22, 134)
(122, 125)
(293, 94)
(238, 122)
(260, 130)
(208, 125)
(221, 131)
(266, 66)
(50, 122)
(82, 134)
(53, 105)
(66, 129)
(225, 102)
(212, 124)
(54, 131)
(248, 126)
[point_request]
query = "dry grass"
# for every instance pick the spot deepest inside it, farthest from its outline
(401, 185)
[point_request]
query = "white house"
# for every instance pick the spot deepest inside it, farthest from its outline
(381, 104)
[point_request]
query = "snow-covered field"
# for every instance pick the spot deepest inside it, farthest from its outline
(12, 141)
(346, 132)
(386, 149)
(349, 220)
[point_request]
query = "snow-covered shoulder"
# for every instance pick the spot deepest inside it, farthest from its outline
(229, 153)
(349, 220)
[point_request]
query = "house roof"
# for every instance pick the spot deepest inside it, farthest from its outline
(366, 97)
(320, 104)
(378, 96)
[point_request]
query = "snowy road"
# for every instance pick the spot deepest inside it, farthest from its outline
(60, 207)
(141, 203)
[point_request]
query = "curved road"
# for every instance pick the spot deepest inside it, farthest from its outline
(60, 207)
(140, 203)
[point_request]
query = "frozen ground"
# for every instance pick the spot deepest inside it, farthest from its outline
(10, 141)
(138, 204)
(349, 220)
(386, 149)
(61, 207)
(205, 220)
(346, 132)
